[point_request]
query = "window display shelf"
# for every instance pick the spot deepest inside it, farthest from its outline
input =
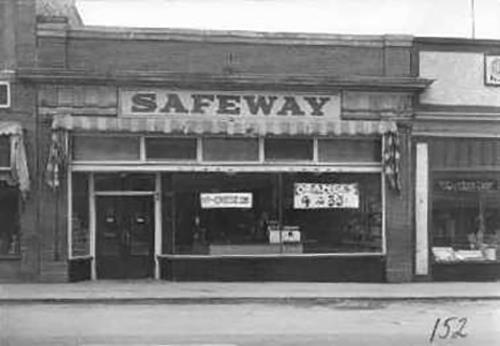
(255, 249)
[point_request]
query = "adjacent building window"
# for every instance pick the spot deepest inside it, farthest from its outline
(465, 200)
(4, 152)
(465, 217)
(4, 94)
(9, 219)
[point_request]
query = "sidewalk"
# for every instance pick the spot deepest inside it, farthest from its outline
(220, 292)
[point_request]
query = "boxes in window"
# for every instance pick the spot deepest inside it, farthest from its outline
(444, 254)
(290, 234)
(287, 234)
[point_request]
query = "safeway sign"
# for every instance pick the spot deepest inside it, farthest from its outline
(161, 102)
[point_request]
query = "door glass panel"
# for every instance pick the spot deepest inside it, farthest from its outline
(140, 221)
(110, 227)
(124, 182)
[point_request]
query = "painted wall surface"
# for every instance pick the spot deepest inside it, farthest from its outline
(459, 79)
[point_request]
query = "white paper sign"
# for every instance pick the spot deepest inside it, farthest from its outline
(325, 196)
(226, 200)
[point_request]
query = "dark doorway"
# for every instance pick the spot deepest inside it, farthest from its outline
(125, 237)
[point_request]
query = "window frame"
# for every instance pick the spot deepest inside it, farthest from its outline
(8, 89)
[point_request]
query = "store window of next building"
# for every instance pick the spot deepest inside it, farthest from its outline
(9, 204)
(271, 213)
(9, 220)
(466, 217)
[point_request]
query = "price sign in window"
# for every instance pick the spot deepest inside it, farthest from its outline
(325, 196)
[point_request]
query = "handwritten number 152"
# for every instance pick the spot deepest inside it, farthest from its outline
(452, 327)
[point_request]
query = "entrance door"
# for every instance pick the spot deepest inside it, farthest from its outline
(124, 237)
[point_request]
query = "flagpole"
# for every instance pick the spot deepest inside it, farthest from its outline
(473, 19)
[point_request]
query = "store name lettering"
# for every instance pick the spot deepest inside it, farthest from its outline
(225, 104)
(467, 185)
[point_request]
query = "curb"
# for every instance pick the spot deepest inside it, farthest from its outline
(242, 300)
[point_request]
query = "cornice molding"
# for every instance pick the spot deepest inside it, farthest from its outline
(223, 82)
(221, 36)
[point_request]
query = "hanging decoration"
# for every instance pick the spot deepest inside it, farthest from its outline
(56, 161)
(391, 160)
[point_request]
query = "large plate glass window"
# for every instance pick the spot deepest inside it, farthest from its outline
(271, 213)
(465, 200)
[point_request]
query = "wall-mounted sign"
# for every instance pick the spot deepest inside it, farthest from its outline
(325, 196)
(161, 102)
(226, 200)
(492, 69)
(464, 185)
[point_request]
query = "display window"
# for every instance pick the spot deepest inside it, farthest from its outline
(465, 199)
(465, 217)
(272, 213)
(9, 219)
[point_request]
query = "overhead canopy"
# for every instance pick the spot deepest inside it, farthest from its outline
(8, 128)
(234, 126)
(18, 174)
(224, 126)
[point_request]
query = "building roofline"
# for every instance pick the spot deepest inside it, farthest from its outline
(222, 36)
(458, 41)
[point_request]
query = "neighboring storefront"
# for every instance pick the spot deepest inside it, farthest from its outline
(458, 161)
(14, 187)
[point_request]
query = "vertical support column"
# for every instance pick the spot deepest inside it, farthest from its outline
(399, 218)
(92, 224)
(421, 210)
(158, 225)
(70, 214)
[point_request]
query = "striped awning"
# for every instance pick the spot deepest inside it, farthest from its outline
(9, 128)
(227, 126)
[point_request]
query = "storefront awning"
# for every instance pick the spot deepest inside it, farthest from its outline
(18, 174)
(226, 126)
(234, 126)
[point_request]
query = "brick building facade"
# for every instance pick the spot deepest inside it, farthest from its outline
(156, 110)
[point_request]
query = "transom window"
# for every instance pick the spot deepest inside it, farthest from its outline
(366, 150)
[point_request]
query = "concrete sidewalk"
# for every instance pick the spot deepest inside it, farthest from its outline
(220, 292)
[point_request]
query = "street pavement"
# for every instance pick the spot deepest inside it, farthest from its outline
(343, 322)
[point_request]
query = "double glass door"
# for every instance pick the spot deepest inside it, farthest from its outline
(124, 236)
